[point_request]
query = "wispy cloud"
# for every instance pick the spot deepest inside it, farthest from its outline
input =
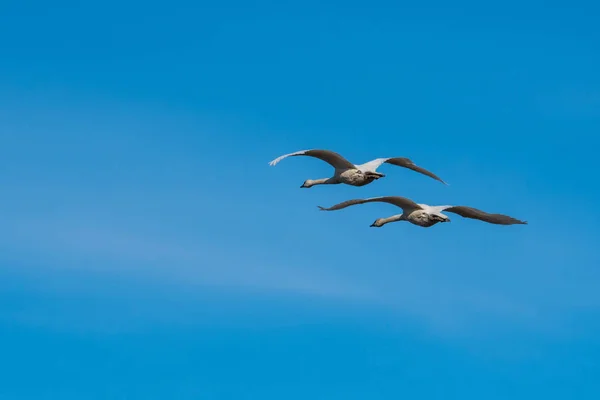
(94, 246)
(188, 264)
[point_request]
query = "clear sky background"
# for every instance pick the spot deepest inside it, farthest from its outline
(148, 251)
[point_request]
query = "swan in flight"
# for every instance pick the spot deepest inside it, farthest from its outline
(350, 174)
(424, 215)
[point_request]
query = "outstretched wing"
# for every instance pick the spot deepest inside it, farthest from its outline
(470, 212)
(400, 162)
(407, 163)
(330, 157)
(402, 202)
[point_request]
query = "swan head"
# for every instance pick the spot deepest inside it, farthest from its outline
(379, 222)
(307, 183)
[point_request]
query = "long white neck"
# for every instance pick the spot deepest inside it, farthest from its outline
(322, 181)
(393, 218)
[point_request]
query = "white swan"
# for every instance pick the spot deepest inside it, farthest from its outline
(350, 174)
(424, 215)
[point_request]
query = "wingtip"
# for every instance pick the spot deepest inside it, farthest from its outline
(274, 161)
(321, 208)
(437, 178)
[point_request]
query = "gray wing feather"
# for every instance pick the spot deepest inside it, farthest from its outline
(402, 202)
(470, 212)
(332, 158)
(407, 163)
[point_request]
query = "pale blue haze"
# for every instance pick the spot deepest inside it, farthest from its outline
(148, 251)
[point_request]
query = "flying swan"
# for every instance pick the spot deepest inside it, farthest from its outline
(424, 215)
(350, 174)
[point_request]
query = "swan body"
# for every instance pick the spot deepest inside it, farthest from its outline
(350, 174)
(424, 215)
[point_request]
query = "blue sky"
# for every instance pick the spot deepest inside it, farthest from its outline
(147, 250)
